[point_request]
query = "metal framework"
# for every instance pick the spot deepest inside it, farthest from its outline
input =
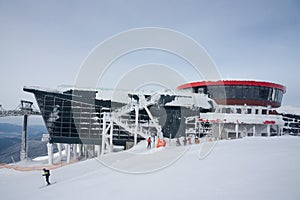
(25, 108)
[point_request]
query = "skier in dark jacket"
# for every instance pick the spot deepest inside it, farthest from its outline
(47, 174)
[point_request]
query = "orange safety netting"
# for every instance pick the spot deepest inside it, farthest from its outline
(34, 168)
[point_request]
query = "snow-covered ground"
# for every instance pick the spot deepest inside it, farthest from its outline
(248, 168)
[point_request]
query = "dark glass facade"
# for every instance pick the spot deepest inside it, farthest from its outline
(246, 92)
(74, 117)
(240, 92)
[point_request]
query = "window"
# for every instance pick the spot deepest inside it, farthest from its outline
(201, 90)
(255, 92)
(249, 110)
(239, 92)
(280, 95)
(270, 94)
(249, 92)
(263, 93)
(238, 110)
(230, 92)
(217, 92)
(264, 112)
(196, 90)
(246, 92)
(223, 110)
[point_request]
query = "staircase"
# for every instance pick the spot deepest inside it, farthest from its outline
(120, 119)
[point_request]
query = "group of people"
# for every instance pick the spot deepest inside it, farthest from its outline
(160, 143)
(187, 141)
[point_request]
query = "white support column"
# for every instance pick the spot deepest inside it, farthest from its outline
(111, 134)
(68, 152)
(92, 150)
(59, 147)
(75, 152)
(237, 130)
(66, 149)
(103, 134)
(98, 150)
(85, 150)
(254, 130)
(269, 130)
(50, 153)
(136, 124)
(80, 150)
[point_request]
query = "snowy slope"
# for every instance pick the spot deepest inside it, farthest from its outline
(249, 168)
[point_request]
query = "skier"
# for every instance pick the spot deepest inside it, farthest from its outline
(197, 141)
(149, 143)
(189, 140)
(178, 142)
(184, 141)
(47, 174)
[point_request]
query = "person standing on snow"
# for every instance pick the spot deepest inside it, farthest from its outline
(47, 174)
(149, 143)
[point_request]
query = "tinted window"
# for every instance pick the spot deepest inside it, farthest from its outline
(263, 93)
(239, 92)
(217, 92)
(280, 95)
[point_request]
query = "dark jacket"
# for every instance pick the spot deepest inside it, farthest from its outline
(46, 172)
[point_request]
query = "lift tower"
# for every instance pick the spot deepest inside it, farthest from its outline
(25, 108)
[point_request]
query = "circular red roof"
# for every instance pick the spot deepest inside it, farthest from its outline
(232, 82)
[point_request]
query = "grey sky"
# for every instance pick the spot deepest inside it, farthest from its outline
(43, 43)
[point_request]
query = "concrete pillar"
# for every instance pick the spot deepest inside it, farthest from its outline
(93, 150)
(85, 150)
(236, 130)
(111, 135)
(68, 152)
(103, 134)
(254, 130)
(98, 149)
(136, 124)
(269, 130)
(59, 147)
(75, 152)
(24, 144)
(80, 150)
(50, 153)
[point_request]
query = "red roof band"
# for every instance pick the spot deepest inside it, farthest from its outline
(232, 82)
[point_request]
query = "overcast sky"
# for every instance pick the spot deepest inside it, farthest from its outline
(43, 43)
